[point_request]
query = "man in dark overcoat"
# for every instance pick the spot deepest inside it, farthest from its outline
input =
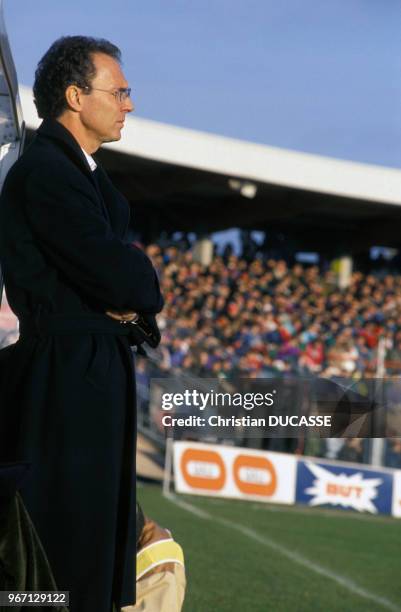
(67, 385)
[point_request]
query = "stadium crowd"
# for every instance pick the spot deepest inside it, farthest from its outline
(260, 317)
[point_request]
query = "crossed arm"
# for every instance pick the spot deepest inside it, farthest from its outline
(80, 243)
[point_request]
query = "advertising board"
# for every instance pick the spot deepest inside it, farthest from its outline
(234, 472)
(344, 486)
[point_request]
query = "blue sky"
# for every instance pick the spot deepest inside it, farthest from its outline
(317, 76)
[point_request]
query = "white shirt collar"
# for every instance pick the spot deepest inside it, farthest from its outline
(90, 160)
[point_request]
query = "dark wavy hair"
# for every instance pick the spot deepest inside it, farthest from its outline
(68, 62)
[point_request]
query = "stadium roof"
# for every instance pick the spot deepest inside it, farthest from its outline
(190, 180)
(236, 158)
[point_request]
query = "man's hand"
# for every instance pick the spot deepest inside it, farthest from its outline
(122, 316)
(152, 532)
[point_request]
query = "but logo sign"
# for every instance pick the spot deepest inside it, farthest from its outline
(349, 491)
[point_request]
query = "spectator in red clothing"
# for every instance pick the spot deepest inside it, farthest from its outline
(371, 333)
(313, 356)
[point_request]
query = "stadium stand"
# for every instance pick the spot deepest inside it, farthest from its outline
(262, 317)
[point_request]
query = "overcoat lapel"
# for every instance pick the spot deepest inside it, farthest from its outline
(54, 130)
(115, 207)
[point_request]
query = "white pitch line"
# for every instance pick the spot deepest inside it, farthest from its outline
(188, 507)
(289, 554)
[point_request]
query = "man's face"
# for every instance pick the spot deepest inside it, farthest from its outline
(102, 113)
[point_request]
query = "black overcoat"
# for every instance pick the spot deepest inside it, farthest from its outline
(67, 388)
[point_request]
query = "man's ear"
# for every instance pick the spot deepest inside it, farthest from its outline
(73, 96)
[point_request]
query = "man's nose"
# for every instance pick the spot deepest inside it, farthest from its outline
(128, 105)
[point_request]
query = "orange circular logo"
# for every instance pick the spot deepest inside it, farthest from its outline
(255, 475)
(203, 469)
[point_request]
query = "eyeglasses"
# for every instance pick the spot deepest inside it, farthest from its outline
(120, 95)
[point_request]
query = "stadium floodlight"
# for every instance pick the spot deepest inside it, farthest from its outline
(245, 188)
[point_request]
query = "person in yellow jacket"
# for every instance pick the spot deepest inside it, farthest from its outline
(160, 571)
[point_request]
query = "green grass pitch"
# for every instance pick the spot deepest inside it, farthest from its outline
(258, 557)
